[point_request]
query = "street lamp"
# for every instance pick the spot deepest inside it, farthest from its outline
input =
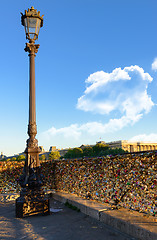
(32, 199)
(32, 21)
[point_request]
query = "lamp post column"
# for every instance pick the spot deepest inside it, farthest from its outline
(32, 109)
(32, 150)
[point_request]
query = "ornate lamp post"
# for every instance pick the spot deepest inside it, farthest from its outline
(32, 199)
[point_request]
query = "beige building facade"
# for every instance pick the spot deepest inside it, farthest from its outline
(133, 146)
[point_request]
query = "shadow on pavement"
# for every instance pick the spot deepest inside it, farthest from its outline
(66, 224)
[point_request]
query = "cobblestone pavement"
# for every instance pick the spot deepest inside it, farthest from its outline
(63, 224)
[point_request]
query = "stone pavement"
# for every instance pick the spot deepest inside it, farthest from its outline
(63, 224)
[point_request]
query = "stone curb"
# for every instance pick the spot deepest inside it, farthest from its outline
(130, 222)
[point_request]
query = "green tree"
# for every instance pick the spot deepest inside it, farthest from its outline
(20, 158)
(54, 155)
(88, 152)
(13, 159)
(77, 152)
(119, 151)
(74, 153)
(68, 154)
(99, 148)
(113, 152)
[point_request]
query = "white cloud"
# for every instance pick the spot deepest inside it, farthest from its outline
(67, 132)
(101, 78)
(154, 65)
(123, 91)
(145, 138)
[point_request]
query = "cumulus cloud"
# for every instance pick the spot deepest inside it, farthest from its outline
(123, 91)
(145, 138)
(154, 65)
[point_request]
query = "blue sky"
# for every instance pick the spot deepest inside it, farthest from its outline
(96, 73)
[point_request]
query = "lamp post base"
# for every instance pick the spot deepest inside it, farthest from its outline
(32, 200)
(31, 203)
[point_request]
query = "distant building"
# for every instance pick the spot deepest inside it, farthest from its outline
(133, 146)
(128, 146)
(52, 149)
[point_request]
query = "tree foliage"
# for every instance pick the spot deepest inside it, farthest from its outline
(88, 151)
(99, 147)
(97, 150)
(113, 152)
(54, 155)
(20, 158)
(74, 153)
(77, 152)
